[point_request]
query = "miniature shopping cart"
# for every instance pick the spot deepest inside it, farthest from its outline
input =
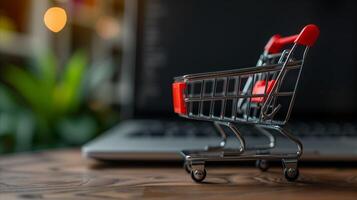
(262, 96)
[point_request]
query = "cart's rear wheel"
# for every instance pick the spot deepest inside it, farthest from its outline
(291, 174)
(198, 175)
(263, 165)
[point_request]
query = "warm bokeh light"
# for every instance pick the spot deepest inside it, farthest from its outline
(107, 27)
(55, 19)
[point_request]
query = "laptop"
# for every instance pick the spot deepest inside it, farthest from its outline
(164, 39)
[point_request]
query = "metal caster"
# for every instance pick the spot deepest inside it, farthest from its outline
(263, 165)
(291, 174)
(187, 166)
(198, 175)
(291, 171)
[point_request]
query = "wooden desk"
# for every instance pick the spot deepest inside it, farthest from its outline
(66, 175)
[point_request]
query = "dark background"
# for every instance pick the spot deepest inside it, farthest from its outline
(179, 37)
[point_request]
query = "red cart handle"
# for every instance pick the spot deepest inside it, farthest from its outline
(306, 37)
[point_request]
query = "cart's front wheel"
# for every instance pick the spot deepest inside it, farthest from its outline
(263, 165)
(198, 175)
(291, 174)
(187, 166)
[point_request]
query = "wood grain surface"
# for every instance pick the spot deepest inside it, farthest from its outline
(64, 174)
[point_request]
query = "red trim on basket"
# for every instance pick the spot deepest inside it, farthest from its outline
(178, 89)
(259, 89)
(276, 43)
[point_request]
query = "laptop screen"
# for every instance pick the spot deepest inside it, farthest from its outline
(180, 37)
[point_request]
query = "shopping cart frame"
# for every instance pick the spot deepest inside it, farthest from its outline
(272, 67)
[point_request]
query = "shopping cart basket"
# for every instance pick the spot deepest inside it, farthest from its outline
(261, 96)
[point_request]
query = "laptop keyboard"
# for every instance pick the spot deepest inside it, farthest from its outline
(159, 129)
(319, 129)
(177, 129)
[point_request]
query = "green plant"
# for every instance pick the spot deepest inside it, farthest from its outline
(47, 102)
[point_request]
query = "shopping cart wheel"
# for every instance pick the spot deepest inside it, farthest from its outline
(198, 175)
(263, 165)
(187, 166)
(291, 174)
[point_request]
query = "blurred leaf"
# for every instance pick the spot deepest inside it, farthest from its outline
(24, 131)
(76, 130)
(29, 88)
(97, 74)
(7, 123)
(67, 94)
(47, 71)
(7, 100)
